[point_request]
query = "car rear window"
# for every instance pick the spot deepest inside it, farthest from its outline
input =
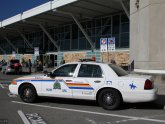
(14, 61)
(118, 70)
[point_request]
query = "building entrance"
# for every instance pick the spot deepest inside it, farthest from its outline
(50, 60)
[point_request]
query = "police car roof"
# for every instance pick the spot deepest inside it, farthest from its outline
(90, 62)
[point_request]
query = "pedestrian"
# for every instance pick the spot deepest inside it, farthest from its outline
(36, 65)
(62, 61)
(16, 68)
(113, 61)
(40, 66)
(29, 65)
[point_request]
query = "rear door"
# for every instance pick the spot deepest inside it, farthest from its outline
(89, 79)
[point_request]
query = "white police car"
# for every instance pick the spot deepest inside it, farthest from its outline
(108, 84)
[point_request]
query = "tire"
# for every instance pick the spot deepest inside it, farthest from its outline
(28, 93)
(109, 99)
(20, 73)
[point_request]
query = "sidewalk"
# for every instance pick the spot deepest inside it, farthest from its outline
(161, 88)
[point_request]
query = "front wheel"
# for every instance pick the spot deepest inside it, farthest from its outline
(28, 93)
(109, 99)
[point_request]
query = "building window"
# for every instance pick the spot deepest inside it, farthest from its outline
(115, 25)
(125, 40)
(70, 37)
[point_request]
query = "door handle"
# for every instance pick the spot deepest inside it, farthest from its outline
(68, 80)
(97, 81)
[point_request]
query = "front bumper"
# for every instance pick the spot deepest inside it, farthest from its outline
(13, 89)
(13, 70)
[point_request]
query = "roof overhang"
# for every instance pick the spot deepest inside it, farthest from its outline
(55, 13)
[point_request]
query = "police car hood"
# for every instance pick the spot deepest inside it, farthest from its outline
(37, 76)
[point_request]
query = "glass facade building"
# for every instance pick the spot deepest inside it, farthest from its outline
(70, 38)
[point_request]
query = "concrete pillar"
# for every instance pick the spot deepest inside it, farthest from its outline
(147, 35)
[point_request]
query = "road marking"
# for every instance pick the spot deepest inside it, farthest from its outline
(121, 121)
(153, 116)
(23, 117)
(91, 112)
(12, 95)
(35, 118)
(2, 86)
(126, 120)
(91, 121)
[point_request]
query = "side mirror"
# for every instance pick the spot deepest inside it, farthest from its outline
(50, 74)
(45, 72)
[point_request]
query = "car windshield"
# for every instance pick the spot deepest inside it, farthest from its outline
(118, 70)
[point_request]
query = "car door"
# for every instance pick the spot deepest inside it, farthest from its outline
(56, 86)
(89, 79)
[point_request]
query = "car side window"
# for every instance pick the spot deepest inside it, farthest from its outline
(87, 70)
(65, 71)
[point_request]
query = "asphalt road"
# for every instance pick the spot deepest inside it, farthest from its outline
(62, 111)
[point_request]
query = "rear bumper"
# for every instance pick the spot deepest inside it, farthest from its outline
(13, 89)
(12, 70)
(143, 96)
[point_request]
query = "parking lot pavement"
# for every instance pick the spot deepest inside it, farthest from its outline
(62, 111)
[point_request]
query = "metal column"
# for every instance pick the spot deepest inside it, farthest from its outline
(23, 36)
(125, 9)
(84, 32)
(9, 42)
(2, 50)
(49, 36)
(80, 27)
(25, 39)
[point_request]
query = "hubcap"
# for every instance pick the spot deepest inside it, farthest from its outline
(27, 93)
(108, 99)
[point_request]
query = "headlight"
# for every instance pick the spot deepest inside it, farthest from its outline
(14, 82)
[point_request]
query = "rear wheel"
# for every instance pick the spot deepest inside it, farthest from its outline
(109, 99)
(28, 93)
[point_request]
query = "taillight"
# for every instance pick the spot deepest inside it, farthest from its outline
(148, 85)
(8, 67)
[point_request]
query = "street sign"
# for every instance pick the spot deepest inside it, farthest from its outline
(111, 44)
(36, 51)
(13, 53)
(103, 44)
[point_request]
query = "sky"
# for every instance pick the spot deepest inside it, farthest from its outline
(9, 8)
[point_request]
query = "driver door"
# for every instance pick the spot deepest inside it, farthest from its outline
(56, 85)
